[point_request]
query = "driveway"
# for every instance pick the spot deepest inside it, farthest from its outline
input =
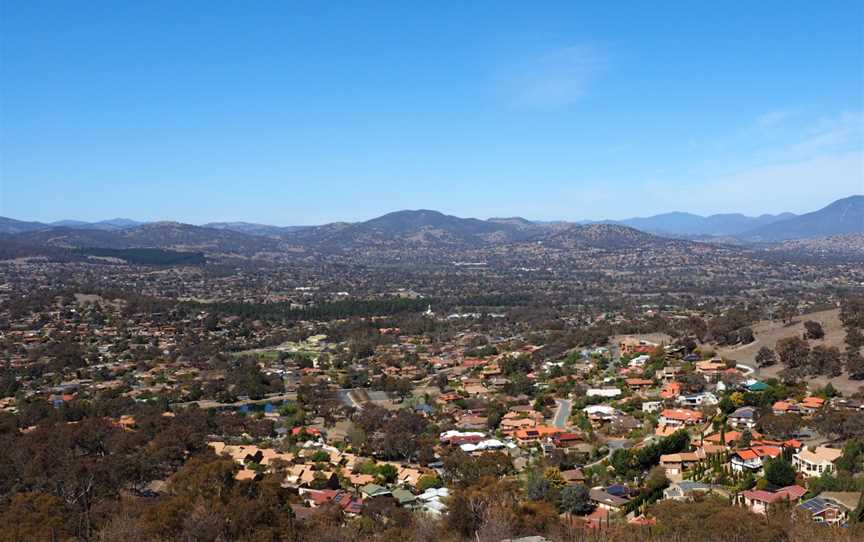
(563, 413)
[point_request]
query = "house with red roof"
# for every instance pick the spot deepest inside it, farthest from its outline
(760, 501)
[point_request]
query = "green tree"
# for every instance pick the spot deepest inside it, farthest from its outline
(766, 357)
(779, 472)
(575, 500)
(813, 330)
(387, 473)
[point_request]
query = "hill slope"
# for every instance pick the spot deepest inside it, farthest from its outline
(844, 216)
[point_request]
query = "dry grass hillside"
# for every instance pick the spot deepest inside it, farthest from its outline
(768, 333)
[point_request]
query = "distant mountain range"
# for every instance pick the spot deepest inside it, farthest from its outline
(10, 225)
(688, 224)
(432, 229)
(844, 216)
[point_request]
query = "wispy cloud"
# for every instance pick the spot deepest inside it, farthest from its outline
(843, 131)
(554, 78)
(809, 164)
(772, 119)
(814, 162)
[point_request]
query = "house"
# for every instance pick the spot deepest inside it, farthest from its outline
(631, 345)
(809, 405)
(430, 501)
(573, 476)
(639, 361)
(638, 383)
(755, 386)
(711, 369)
(603, 392)
(350, 504)
(670, 390)
(612, 498)
(404, 497)
(753, 459)
(599, 414)
(248, 474)
(743, 418)
(678, 417)
(567, 440)
(831, 507)
(370, 491)
(784, 407)
(525, 436)
(686, 490)
(676, 464)
(729, 438)
(651, 406)
(816, 462)
(697, 399)
(670, 373)
(760, 501)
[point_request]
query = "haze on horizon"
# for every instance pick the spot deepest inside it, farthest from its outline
(306, 114)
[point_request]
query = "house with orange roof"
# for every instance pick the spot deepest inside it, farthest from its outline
(809, 405)
(679, 417)
(753, 459)
(670, 390)
(536, 434)
(711, 368)
(730, 437)
(784, 407)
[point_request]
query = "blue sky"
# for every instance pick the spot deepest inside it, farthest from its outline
(300, 113)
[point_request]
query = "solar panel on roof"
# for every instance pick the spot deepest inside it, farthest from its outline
(814, 505)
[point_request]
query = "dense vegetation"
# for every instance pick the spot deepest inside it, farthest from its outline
(147, 256)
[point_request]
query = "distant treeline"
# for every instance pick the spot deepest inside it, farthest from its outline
(324, 311)
(495, 300)
(146, 256)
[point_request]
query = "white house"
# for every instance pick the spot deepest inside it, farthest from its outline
(603, 392)
(816, 462)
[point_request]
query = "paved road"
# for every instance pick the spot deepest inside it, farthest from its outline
(563, 413)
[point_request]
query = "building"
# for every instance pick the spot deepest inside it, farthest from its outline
(743, 418)
(760, 501)
(753, 459)
(670, 390)
(686, 490)
(631, 345)
(697, 399)
(651, 406)
(816, 462)
(711, 369)
(831, 507)
(603, 392)
(676, 464)
(679, 417)
(612, 498)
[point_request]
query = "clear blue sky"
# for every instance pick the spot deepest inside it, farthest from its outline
(298, 113)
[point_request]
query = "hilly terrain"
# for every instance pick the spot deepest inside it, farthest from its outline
(836, 230)
(407, 228)
(171, 235)
(603, 236)
(844, 216)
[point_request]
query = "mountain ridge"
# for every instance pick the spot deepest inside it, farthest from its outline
(425, 227)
